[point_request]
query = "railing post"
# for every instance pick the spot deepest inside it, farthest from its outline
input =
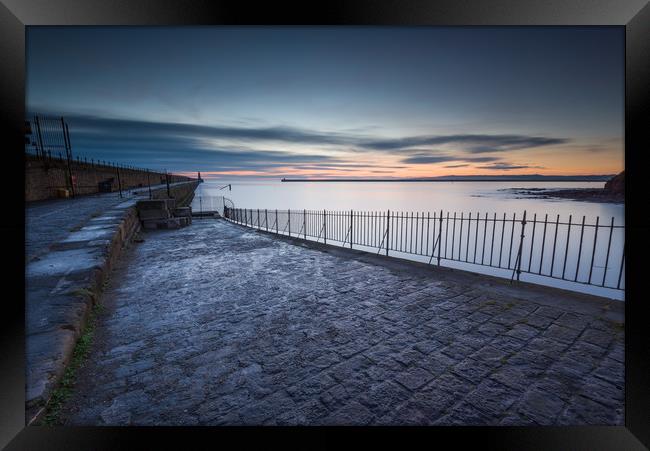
(119, 182)
(609, 245)
(439, 238)
(40, 138)
(68, 151)
(351, 230)
(276, 221)
(149, 184)
(582, 232)
(304, 223)
(521, 245)
(324, 227)
(387, 230)
(620, 270)
(593, 253)
(289, 221)
(258, 219)
(266, 219)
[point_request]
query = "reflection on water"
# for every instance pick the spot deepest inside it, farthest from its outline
(556, 222)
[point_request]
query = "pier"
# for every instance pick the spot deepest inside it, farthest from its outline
(220, 324)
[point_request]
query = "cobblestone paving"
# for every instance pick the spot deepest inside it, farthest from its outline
(216, 324)
(49, 221)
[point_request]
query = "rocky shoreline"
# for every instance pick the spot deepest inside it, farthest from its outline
(581, 194)
(613, 192)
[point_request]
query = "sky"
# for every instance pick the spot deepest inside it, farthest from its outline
(371, 102)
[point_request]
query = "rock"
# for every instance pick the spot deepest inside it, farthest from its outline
(616, 185)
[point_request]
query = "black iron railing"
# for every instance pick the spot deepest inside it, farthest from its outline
(203, 205)
(48, 138)
(580, 252)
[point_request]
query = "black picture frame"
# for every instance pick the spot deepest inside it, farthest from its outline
(634, 15)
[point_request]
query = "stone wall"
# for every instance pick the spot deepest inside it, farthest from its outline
(43, 177)
(183, 193)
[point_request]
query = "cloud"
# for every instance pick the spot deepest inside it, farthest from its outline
(468, 142)
(179, 146)
(457, 165)
(509, 167)
(428, 159)
(175, 146)
(423, 158)
(136, 129)
(472, 143)
(479, 159)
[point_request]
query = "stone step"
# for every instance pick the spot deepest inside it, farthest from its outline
(183, 212)
(151, 204)
(169, 223)
(153, 214)
(156, 204)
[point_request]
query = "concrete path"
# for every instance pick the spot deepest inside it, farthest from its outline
(216, 324)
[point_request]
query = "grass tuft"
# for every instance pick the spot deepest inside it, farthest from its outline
(79, 355)
(83, 292)
(618, 325)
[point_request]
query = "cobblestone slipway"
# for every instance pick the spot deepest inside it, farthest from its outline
(216, 324)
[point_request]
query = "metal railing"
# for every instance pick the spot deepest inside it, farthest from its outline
(579, 252)
(203, 205)
(47, 138)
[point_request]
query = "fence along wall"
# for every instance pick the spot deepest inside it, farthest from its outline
(581, 252)
(50, 164)
(44, 175)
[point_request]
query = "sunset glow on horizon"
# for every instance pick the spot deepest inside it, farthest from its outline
(333, 102)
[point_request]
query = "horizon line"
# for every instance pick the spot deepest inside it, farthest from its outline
(473, 178)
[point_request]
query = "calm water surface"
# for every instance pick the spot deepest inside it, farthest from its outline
(465, 197)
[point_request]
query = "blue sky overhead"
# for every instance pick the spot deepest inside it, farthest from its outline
(337, 102)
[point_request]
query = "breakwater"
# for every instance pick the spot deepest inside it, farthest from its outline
(183, 193)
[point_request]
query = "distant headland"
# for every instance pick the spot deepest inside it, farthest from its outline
(612, 192)
(470, 178)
